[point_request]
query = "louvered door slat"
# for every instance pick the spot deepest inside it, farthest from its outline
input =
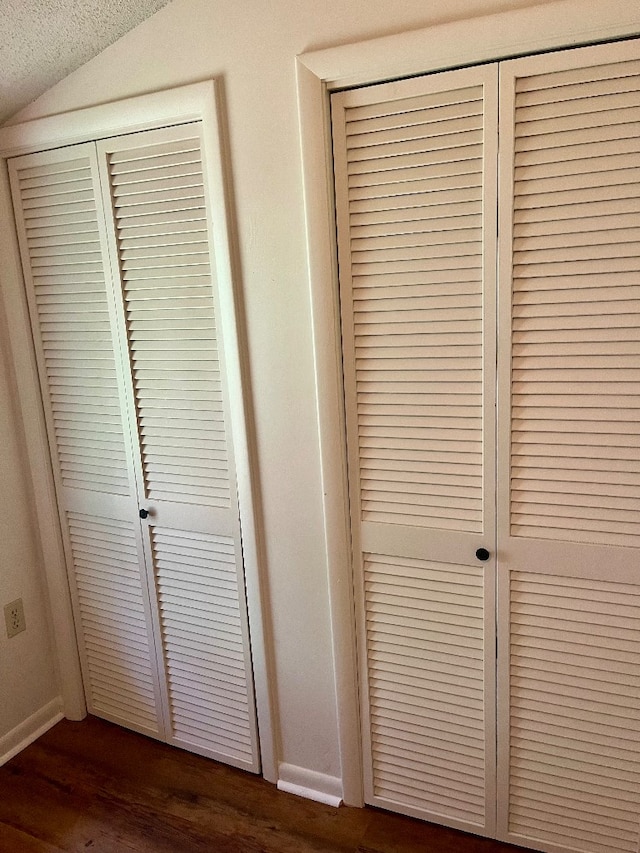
(569, 735)
(181, 458)
(610, 301)
(415, 207)
(65, 288)
(198, 599)
(57, 204)
(112, 615)
(607, 819)
(419, 773)
(164, 337)
(172, 325)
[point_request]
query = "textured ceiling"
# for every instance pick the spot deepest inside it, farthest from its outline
(41, 41)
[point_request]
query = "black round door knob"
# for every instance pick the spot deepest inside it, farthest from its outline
(144, 513)
(482, 554)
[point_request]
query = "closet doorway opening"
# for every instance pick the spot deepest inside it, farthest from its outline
(553, 567)
(124, 285)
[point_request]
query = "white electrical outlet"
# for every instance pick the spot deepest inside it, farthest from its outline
(14, 617)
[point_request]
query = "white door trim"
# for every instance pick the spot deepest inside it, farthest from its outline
(558, 24)
(196, 102)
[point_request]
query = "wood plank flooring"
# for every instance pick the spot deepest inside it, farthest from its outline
(92, 786)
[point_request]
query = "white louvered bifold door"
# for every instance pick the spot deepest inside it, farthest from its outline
(56, 198)
(416, 201)
(569, 517)
(170, 317)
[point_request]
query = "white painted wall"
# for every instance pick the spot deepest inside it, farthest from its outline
(250, 46)
(28, 680)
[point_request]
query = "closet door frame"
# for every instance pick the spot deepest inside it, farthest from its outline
(565, 23)
(195, 102)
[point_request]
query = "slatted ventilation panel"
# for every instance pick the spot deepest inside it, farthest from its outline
(575, 719)
(162, 242)
(58, 211)
(426, 672)
(576, 306)
(114, 635)
(197, 588)
(415, 191)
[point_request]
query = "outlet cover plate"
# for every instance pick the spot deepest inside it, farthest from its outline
(14, 617)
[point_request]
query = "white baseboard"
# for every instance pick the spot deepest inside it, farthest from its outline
(30, 729)
(309, 784)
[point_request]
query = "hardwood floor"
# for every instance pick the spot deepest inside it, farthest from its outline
(92, 786)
